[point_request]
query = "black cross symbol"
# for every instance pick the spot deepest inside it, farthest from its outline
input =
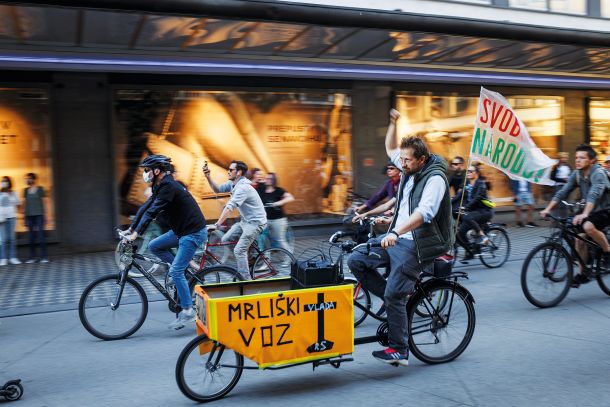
(322, 344)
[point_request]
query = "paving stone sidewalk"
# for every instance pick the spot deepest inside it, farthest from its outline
(55, 286)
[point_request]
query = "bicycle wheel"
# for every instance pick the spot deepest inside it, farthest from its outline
(101, 319)
(603, 279)
(214, 275)
(207, 370)
(496, 251)
(445, 332)
(273, 262)
(546, 275)
(362, 297)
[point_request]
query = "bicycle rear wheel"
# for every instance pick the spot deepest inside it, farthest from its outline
(446, 330)
(546, 275)
(273, 262)
(99, 316)
(495, 253)
(207, 370)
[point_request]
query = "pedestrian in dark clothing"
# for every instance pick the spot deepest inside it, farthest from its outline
(33, 197)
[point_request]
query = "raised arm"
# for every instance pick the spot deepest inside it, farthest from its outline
(206, 172)
(391, 144)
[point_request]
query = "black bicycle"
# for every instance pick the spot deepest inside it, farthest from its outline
(547, 273)
(115, 306)
(493, 253)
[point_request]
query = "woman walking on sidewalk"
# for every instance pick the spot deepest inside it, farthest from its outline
(8, 221)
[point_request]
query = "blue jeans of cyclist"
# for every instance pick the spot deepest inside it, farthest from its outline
(187, 245)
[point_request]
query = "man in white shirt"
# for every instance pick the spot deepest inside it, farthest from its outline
(420, 232)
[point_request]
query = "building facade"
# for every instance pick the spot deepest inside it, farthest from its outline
(89, 88)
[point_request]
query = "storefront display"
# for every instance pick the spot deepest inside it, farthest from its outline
(25, 145)
(304, 137)
(599, 116)
(446, 122)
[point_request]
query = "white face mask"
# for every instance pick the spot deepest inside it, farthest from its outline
(4, 184)
(148, 176)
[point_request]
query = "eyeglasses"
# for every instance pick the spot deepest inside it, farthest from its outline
(232, 169)
(470, 171)
(455, 163)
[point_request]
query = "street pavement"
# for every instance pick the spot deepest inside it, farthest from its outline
(519, 356)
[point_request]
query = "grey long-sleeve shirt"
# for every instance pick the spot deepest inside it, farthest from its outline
(247, 201)
(594, 189)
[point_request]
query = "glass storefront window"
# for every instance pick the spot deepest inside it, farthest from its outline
(25, 145)
(569, 6)
(605, 8)
(304, 137)
(446, 122)
(529, 4)
(599, 116)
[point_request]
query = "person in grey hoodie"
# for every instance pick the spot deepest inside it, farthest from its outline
(250, 206)
(594, 186)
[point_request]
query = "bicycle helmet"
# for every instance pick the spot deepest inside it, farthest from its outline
(157, 161)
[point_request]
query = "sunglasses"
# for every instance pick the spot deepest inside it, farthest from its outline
(455, 163)
(232, 169)
(470, 171)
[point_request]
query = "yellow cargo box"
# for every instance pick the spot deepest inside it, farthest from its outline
(271, 324)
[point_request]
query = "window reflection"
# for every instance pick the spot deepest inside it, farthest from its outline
(599, 114)
(25, 144)
(446, 122)
(304, 137)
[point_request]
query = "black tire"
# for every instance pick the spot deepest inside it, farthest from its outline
(13, 392)
(603, 280)
(214, 275)
(362, 297)
(497, 251)
(540, 273)
(206, 365)
(272, 263)
(429, 336)
(96, 299)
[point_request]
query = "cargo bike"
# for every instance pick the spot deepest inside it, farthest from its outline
(279, 324)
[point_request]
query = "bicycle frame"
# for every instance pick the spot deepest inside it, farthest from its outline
(568, 235)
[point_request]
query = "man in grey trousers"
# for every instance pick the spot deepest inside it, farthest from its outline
(250, 206)
(420, 231)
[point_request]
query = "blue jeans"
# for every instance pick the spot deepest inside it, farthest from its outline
(7, 239)
(187, 245)
(35, 226)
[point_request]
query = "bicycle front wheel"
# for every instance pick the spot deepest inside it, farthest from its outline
(101, 317)
(206, 370)
(495, 253)
(273, 262)
(362, 297)
(546, 275)
(603, 280)
(446, 328)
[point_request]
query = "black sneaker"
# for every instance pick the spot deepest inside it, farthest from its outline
(520, 224)
(605, 262)
(468, 256)
(580, 279)
(392, 356)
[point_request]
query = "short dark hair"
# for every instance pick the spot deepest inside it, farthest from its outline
(240, 166)
(31, 175)
(419, 147)
(587, 149)
(459, 158)
(10, 183)
(273, 176)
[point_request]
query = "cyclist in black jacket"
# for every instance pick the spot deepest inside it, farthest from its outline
(187, 228)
